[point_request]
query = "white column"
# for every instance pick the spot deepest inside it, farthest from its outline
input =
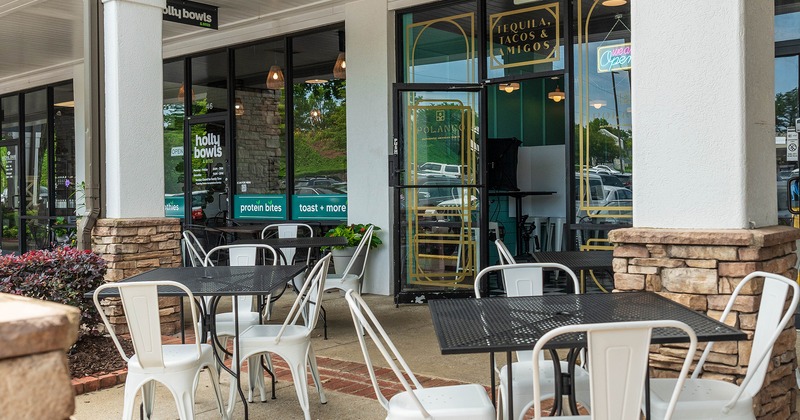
(703, 114)
(370, 48)
(134, 181)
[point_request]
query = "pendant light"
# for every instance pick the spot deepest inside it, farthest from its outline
(182, 93)
(238, 107)
(614, 3)
(556, 95)
(340, 68)
(508, 87)
(275, 78)
(597, 104)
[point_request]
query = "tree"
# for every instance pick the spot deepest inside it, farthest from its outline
(786, 110)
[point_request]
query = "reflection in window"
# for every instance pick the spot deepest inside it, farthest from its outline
(787, 20)
(528, 113)
(64, 150)
(209, 83)
(439, 45)
(174, 115)
(260, 119)
(320, 131)
(9, 176)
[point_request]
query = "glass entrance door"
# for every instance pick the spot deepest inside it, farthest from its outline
(438, 192)
(208, 172)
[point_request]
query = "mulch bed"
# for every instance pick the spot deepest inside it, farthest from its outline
(96, 355)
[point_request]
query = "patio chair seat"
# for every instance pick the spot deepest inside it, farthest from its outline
(268, 332)
(346, 282)
(522, 374)
(699, 398)
(468, 401)
(177, 357)
(225, 324)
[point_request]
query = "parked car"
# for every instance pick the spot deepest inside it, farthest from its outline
(612, 193)
(604, 169)
(317, 191)
(445, 169)
(611, 180)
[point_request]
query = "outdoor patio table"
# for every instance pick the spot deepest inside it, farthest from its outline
(577, 260)
(217, 282)
(508, 324)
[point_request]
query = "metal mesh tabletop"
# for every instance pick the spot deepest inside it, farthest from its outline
(313, 242)
(220, 280)
(510, 324)
(577, 260)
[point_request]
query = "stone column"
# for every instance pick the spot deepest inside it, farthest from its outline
(134, 160)
(34, 376)
(700, 269)
(133, 246)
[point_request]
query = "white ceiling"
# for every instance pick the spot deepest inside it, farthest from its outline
(37, 35)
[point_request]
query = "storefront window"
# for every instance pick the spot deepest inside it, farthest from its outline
(603, 114)
(439, 44)
(209, 83)
(65, 187)
(9, 177)
(320, 131)
(174, 116)
(260, 113)
(787, 20)
(523, 37)
(527, 113)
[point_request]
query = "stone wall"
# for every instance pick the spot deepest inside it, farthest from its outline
(133, 246)
(700, 269)
(260, 141)
(34, 377)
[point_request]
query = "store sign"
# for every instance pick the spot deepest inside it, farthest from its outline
(614, 57)
(320, 207)
(192, 14)
(252, 206)
(174, 206)
(524, 37)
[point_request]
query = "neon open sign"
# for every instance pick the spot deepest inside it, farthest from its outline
(614, 57)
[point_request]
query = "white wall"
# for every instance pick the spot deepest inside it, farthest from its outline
(703, 114)
(541, 168)
(370, 50)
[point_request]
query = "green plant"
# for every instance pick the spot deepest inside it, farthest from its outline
(354, 233)
(62, 275)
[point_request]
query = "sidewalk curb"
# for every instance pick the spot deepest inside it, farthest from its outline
(96, 383)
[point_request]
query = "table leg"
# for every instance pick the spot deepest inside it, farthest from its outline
(238, 352)
(558, 382)
(647, 391)
(572, 359)
(491, 375)
(183, 325)
(510, 396)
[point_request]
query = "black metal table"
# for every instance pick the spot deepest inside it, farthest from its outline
(578, 260)
(508, 324)
(216, 282)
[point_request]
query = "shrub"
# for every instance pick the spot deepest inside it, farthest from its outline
(62, 275)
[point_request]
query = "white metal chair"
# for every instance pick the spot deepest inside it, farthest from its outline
(176, 366)
(249, 314)
(292, 341)
(350, 279)
(527, 280)
(618, 355)
(194, 249)
(445, 402)
(504, 253)
(713, 399)
(288, 230)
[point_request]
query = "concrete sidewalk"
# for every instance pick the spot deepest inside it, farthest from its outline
(345, 380)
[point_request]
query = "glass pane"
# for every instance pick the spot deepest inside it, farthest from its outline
(787, 74)
(64, 153)
(174, 116)
(527, 112)
(260, 113)
(209, 171)
(439, 44)
(439, 208)
(523, 37)
(209, 83)
(320, 130)
(36, 170)
(9, 202)
(603, 113)
(787, 20)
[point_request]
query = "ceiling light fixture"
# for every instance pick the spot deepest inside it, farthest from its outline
(508, 87)
(598, 103)
(316, 81)
(275, 78)
(182, 93)
(556, 95)
(340, 68)
(614, 3)
(238, 107)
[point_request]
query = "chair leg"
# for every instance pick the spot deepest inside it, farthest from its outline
(181, 388)
(312, 361)
(297, 365)
(149, 398)
(212, 373)
(128, 400)
(253, 373)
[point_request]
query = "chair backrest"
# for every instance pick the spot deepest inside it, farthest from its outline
(618, 354)
(773, 316)
(309, 298)
(525, 279)
(194, 249)
(365, 320)
(361, 249)
(140, 303)
(242, 256)
(289, 230)
(504, 253)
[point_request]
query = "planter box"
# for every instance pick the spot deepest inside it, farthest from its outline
(341, 257)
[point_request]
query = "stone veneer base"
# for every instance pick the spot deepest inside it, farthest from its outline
(133, 246)
(700, 269)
